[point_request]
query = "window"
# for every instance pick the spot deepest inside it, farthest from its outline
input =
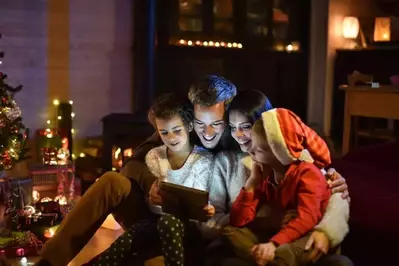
(281, 20)
(257, 18)
(223, 16)
(190, 15)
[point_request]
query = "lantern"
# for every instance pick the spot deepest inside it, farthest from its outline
(382, 29)
(350, 27)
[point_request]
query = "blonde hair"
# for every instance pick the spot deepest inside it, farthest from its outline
(259, 130)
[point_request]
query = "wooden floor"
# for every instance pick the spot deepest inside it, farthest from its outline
(100, 241)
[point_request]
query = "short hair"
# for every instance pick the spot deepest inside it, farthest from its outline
(252, 103)
(168, 105)
(211, 90)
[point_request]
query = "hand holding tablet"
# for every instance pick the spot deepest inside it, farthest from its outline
(184, 202)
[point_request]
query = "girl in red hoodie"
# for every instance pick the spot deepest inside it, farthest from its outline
(282, 177)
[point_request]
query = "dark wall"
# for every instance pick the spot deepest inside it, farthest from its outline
(281, 76)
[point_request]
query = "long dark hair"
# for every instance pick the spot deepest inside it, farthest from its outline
(252, 103)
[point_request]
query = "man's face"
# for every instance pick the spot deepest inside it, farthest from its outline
(209, 124)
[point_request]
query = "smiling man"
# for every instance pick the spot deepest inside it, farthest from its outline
(211, 97)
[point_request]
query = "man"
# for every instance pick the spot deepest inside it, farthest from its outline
(124, 194)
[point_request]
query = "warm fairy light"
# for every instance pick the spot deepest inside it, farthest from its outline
(82, 154)
(209, 44)
(56, 102)
(289, 48)
(48, 130)
(70, 102)
(72, 131)
(59, 117)
(72, 115)
(48, 122)
(49, 135)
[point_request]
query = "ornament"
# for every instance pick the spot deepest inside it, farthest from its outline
(13, 113)
(5, 161)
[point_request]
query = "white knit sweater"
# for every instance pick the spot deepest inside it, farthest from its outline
(195, 173)
(231, 170)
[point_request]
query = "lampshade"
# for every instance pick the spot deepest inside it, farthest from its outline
(382, 29)
(350, 27)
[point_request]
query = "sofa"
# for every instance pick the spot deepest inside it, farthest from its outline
(372, 174)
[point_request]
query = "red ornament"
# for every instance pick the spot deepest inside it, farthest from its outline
(20, 252)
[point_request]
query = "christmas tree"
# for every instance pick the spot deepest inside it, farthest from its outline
(13, 134)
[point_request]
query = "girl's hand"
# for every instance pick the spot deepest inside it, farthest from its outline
(209, 210)
(263, 253)
(154, 195)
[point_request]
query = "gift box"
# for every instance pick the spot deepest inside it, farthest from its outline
(42, 220)
(20, 244)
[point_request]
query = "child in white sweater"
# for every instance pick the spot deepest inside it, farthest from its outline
(177, 161)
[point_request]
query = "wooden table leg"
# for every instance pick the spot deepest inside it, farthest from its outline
(347, 128)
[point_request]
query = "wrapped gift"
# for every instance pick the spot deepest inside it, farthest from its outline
(20, 244)
(41, 220)
(47, 138)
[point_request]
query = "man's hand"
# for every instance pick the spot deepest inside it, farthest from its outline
(263, 253)
(337, 183)
(209, 210)
(154, 196)
(318, 245)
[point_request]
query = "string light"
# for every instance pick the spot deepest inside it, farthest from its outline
(291, 47)
(211, 43)
(49, 133)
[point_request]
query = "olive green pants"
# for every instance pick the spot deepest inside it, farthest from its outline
(243, 240)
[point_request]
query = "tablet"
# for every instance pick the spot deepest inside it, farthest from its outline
(184, 202)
